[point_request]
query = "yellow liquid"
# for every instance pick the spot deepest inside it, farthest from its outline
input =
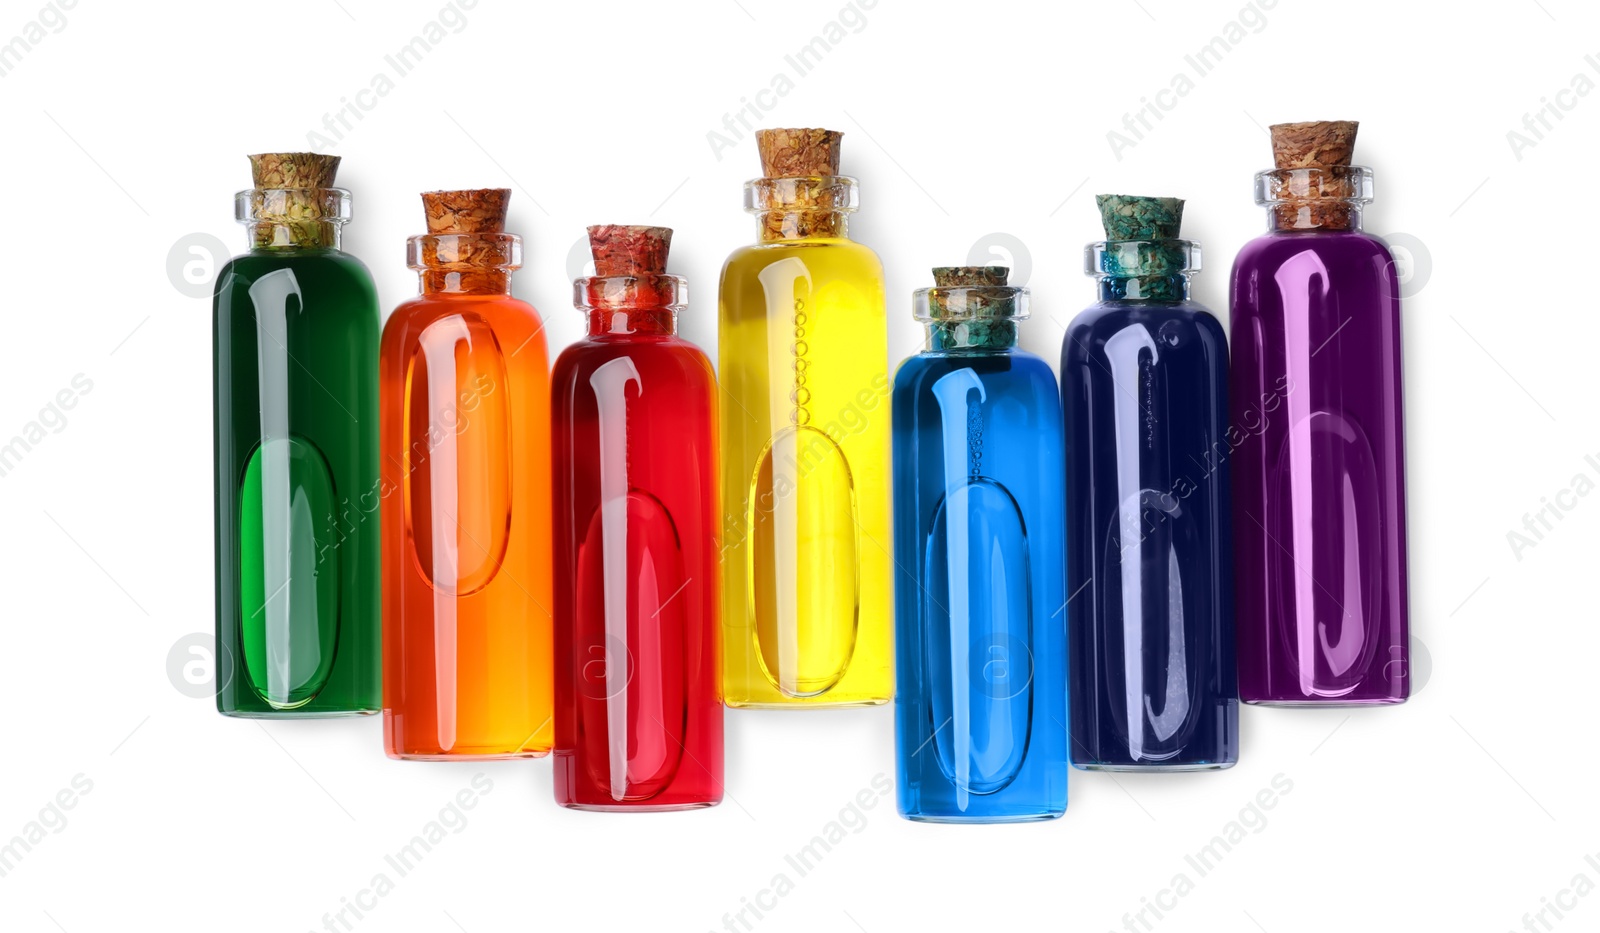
(805, 437)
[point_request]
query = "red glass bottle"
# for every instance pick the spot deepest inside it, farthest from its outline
(638, 703)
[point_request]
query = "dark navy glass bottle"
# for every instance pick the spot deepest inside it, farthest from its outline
(979, 513)
(1144, 375)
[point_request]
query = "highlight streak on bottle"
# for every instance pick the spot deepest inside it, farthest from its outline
(1303, 284)
(951, 392)
(610, 382)
(1175, 707)
(1352, 637)
(1123, 349)
(438, 343)
(279, 519)
(778, 281)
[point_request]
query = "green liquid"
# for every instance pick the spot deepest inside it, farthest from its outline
(296, 357)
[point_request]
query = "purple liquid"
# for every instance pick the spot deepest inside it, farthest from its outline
(1318, 467)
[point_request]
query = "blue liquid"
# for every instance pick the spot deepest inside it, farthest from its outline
(980, 621)
(1144, 390)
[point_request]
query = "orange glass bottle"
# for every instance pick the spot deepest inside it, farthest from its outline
(465, 443)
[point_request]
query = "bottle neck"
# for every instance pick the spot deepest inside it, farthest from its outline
(1324, 215)
(1142, 270)
(435, 282)
(802, 208)
(1321, 198)
(970, 318)
(464, 263)
(275, 236)
(624, 306)
(292, 218)
(783, 225)
(1144, 288)
(971, 336)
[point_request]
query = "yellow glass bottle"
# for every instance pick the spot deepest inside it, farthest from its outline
(803, 364)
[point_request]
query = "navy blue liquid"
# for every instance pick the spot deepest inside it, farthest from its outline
(1144, 395)
(980, 616)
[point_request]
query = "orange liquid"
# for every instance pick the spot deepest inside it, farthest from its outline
(465, 442)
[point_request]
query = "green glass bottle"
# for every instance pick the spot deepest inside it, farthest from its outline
(297, 489)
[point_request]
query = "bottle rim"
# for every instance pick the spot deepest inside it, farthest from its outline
(829, 193)
(292, 205)
(952, 304)
(1126, 259)
(656, 291)
(464, 251)
(1351, 184)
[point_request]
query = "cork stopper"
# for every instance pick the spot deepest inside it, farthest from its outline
(970, 307)
(1316, 144)
(798, 153)
(293, 169)
(1128, 217)
(1143, 255)
(466, 248)
(957, 276)
(478, 210)
(1314, 179)
(620, 249)
(289, 204)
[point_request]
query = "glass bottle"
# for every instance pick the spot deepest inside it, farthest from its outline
(295, 356)
(466, 498)
(1144, 391)
(638, 709)
(1319, 471)
(980, 641)
(803, 348)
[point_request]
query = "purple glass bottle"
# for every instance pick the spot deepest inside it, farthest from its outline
(1318, 439)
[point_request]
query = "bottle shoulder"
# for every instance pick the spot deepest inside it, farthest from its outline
(1165, 328)
(427, 308)
(917, 373)
(1109, 317)
(674, 359)
(765, 253)
(328, 282)
(1278, 245)
(511, 319)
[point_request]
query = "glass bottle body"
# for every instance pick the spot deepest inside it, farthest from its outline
(1144, 392)
(1319, 475)
(638, 709)
(295, 382)
(803, 362)
(980, 667)
(466, 508)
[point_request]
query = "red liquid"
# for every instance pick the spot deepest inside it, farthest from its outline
(638, 707)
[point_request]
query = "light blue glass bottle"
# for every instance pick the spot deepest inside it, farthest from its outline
(979, 513)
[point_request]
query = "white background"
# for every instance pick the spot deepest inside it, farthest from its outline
(125, 133)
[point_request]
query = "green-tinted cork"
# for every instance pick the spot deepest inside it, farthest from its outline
(1127, 217)
(972, 306)
(1147, 229)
